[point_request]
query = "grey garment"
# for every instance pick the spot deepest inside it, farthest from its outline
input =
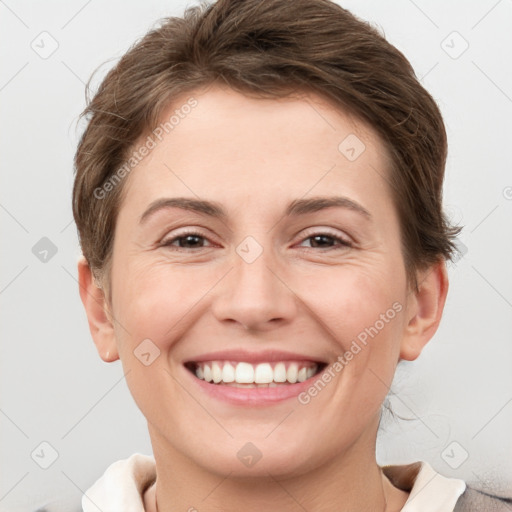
(472, 500)
(62, 505)
(58, 508)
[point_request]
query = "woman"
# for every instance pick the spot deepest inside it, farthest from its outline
(258, 196)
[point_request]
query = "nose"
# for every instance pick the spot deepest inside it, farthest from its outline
(255, 295)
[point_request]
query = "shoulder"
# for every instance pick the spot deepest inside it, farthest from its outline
(121, 483)
(431, 490)
(473, 500)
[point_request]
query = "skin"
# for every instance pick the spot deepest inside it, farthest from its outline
(254, 156)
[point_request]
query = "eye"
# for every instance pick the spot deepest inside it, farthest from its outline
(327, 240)
(187, 240)
(195, 240)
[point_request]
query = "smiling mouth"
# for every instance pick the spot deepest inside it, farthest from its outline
(242, 374)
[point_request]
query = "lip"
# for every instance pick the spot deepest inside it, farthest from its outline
(252, 396)
(263, 356)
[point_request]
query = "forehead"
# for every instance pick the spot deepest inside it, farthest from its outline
(231, 119)
(231, 145)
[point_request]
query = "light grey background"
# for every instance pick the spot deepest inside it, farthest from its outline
(56, 389)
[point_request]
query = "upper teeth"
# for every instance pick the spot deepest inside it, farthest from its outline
(262, 373)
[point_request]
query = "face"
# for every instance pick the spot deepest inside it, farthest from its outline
(292, 269)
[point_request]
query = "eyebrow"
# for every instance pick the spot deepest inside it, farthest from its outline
(214, 209)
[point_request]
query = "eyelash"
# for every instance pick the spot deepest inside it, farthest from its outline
(342, 242)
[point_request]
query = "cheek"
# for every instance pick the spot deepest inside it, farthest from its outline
(348, 299)
(157, 298)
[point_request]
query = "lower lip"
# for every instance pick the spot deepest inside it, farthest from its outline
(253, 396)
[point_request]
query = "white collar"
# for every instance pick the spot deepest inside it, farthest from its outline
(429, 491)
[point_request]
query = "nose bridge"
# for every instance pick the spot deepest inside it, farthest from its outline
(253, 295)
(252, 268)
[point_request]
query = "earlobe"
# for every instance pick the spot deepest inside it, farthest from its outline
(424, 310)
(98, 314)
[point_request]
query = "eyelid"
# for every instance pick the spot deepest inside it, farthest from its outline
(185, 231)
(344, 240)
(319, 230)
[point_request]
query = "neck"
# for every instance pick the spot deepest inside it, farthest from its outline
(350, 482)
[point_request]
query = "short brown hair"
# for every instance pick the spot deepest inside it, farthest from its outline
(268, 48)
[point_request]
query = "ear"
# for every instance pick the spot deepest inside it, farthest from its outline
(424, 310)
(98, 313)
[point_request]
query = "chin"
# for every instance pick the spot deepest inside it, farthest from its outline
(257, 459)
